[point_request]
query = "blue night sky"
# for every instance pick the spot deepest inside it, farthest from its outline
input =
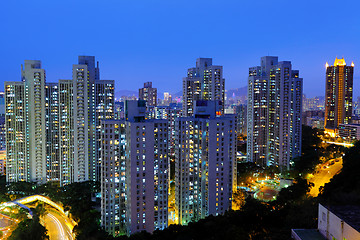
(138, 41)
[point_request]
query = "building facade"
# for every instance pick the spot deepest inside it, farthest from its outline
(2, 121)
(113, 200)
(205, 169)
(203, 82)
(149, 94)
(53, 129)
(25, 125)
(349, 132)
(142, 166)
(334, 222)
(274, 113)
(338, 95)
(241, 112)
(52, 118)
(83, 102)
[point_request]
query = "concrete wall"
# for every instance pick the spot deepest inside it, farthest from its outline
(331, 226)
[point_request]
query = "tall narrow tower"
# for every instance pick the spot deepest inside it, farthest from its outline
(25, 120)
(338, 95)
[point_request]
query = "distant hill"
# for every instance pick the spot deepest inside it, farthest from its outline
(127, 93)
(177, 94)
(237, 92)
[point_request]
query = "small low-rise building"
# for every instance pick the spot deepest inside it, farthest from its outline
(334, 223)
(349, 132)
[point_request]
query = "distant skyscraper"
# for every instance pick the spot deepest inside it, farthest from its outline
(149, 94)
(203, 82)
(134, 181)
(205, 167)
(338, 95)
(274, 113)
(166, 96)
(241, 112)
(119, 111)
(315, 103)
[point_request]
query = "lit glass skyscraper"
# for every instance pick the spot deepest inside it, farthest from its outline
(338, 95)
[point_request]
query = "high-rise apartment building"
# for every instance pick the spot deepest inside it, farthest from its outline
(25, 125)
(53, 129)
(2, 121)
(66, 132)
(134, 181)
(338, 95)
(84, 101)
(119, 111)
(274, 113)
(149, 94)
(205, 163)
(104, 110)
(203, 82)
(113, 195)
(311, 104)
(52, 118)
(241, 112)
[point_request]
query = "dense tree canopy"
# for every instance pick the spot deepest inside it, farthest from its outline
(344, 188)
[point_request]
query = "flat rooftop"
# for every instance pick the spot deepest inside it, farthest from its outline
(348, 213)
(307, 234)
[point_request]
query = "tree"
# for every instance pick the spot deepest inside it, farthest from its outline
(344, 188)
(238, 199)
(40, 209)
(29, 229)
(313, 150)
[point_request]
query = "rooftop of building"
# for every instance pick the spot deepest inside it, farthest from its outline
(348, 213)
(340, 62)
(350, 124)
(308, 234)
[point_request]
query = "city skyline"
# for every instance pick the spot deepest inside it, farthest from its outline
(192, 120)
(133, 41)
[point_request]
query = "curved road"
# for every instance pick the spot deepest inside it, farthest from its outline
(324, 176)
(57, 227)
